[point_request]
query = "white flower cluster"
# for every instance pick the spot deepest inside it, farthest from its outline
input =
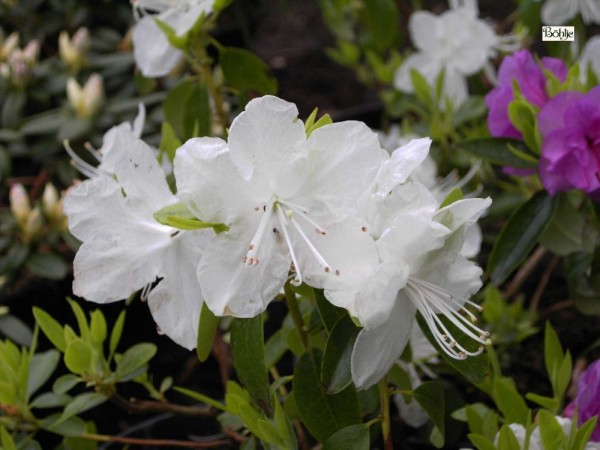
(331, 209)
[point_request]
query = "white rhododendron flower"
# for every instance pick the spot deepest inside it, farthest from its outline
(590, 58)
(419, 268)
(287, 200)
(456, 41)
(152, 51)
(559, 12)
(124, 248)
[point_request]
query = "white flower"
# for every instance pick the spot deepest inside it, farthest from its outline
(558, 12)
(590, 58)
(125, 249)
(286, 200)
(420, 268)
(456, 41)
(152, 51)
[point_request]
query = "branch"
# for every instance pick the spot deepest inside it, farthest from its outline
(148, 406)
(155, 442)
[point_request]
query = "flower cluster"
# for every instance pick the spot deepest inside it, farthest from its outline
(327, 207)
(566, 120)
(586, 402)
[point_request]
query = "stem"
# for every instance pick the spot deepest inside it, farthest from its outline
(524, 272)
(384, 400)
(292, 304)
(147, 406)
(155, 442)
(537, 295)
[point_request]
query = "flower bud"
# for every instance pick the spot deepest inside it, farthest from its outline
(73, 51)
(88, 100)
(49, 201)
(19, 203)
(33, 225)
(8, 45)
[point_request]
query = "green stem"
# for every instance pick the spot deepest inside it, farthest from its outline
(292, 304)
(384, 399)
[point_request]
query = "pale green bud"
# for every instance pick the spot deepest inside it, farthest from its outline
(19, 203)
(33, 224)
(8, 45)
(73, 51)
(49, 201)
(86, 101)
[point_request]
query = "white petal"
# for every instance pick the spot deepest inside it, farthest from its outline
(403, 162)
(177, 300)
(209, 183)
(152, 52)
(455, 88)
(462, 211)
(472, 244)
(427, 65)
(229, 286)
(424, 31)
(376, 351)
(140, 119)
(345, 158)
(269, 139)
(557, 12)
(590, 11)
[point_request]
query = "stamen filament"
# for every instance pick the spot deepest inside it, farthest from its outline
(301, 212)
(84, 167)
(312, 248)
(297, 281)
(250, 258)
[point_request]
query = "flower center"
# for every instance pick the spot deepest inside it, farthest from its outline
(432, 300)
(286, 212)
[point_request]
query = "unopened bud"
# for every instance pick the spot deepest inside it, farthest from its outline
(49, 201)
(88, 100)
(31, 52)
(73, 51)
(8, 45)
(33, 224)
(19, 203)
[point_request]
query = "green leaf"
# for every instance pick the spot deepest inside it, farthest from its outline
(178, 216)
(553, 352)
(41, 367)
(134, 359)
(519, 235)
(78, 356)
(507, 439)
(12, 108)
(47, 265)
(509, 402)
(481, 442)
(430, 395)
(523, 116)
(322, 414)
(583, 434)
(246, 72)
(355, 437)
(454, 196)
(65, 383)
(179, 42)
(329, 313)
(51, 328)
(248, 353)
(275, 348)
(82, 323)
(549, 403)
(6, 439)
(45, 123)
(187, 111)
(115, 334)
(335, 371)
(98, 327)
(422, 88)
(474, 368)
(381, 19)
(82, 403)
(496, 151)
(15, 329)
(201, 398)
(71, 426)
(169, 142)
(473, 108)
(207, 328)
(551, 432)
(50, 400)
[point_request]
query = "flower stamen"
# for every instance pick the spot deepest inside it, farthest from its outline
(251, 257)
(297, 280)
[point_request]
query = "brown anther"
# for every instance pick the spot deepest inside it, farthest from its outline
(250, 247)
(337, 272)
(327, 269)
(364, 229)
(256, 208)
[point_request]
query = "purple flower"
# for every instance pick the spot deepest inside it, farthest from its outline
(587, 400)
(523, 68)
(570, 127)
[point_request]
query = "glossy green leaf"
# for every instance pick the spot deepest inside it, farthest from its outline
(430, 395)
(50, 400)
(481, 442)
(187, 110)
(71, 426)
(169, 142)
(454, 196)
(322, 414)
(507, 439)
(519, 235)
(207, 328)
(329, 313)
(583, 434)
(98, 327)
(178, 216)
(248, 353)
(65, 383)
(422, 88)
(381, 18)
(201, 398)
(474, 368)
(246, 72)
(15, 329)
(82, 403)
(335, 370)
(51, 328)
(47, 265)
(473, 108)
(134, 359)
(355, 437)
(6, 439)
(496, 151)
